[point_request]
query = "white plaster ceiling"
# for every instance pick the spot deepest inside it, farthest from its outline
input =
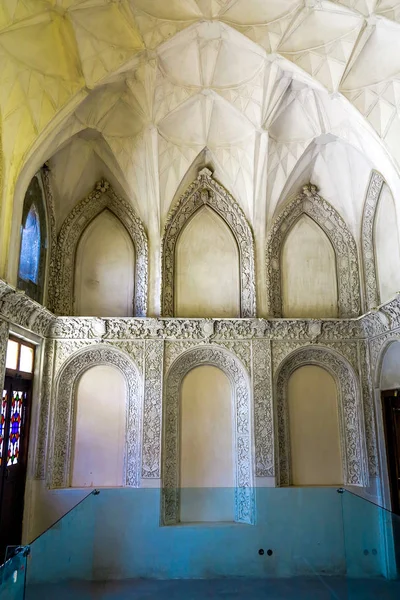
(142, 91)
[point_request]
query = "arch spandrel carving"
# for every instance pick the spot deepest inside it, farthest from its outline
(351, 420)
(101, 198)
(206, 191)
(239, 378)
(64, 408)
(310, 203)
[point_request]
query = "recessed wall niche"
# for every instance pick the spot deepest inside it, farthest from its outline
(207, 268)
(104, 269)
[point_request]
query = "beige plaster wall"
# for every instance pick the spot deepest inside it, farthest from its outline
(207, 269)
(99, 433)
(104, 275)
(206, 452)
(314, 428)
(387, 247)
(308, 266)
(390, 373)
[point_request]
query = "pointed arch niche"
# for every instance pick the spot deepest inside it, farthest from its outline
(181, 395)
(67, 404)
(380, 243)
(333, 254)
(349, 414)
(101, 205)
(226, 281)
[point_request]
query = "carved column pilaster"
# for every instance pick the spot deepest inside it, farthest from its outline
(263, 412)
(152, 409)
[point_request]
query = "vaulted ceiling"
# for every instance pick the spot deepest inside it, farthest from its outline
(271, 94)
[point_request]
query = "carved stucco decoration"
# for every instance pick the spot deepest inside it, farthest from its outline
(152, 409)
(44, 408)
(17, 308)
(206, 191)
(351, 418)
(369, 407)
(263, 408)
(101, 198)
(64, 405)
(231, 366)
(51, 232)
(367, 239)
(310, 203)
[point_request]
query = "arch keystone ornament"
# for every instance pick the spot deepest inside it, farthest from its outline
(101, 198)
(351, 420)
(243, 446)
(206, 191)
(64, 412)
(309, 202)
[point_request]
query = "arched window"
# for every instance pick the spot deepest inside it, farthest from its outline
(32, 258)
(30, 247)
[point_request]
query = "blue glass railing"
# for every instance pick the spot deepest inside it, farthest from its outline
(313, 542)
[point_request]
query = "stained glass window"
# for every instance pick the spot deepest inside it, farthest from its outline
(30, 247)
(15, 427)
(3, 414)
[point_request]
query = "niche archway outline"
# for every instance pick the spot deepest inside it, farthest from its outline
(367, 240)
(351, 420)
(309, 202)
(243, 454)
(205, 191)
(64, 412)
(101, 198)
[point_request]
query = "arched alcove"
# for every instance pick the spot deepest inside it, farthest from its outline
(104, 269)
(308, 264)
(390, 367)
(309, 203)
(65, 394)
(173, 412)
(102, 198)
(206, 453)
(206, 192)
(314, 427)
(350, 414)
(98, 452)
(387, 246)
(207, 268)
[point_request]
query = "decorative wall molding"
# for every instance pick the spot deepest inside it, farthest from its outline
(51, 234)
(152, 409)
(101, 198)
(17, 308)
(263, 408)
(351, 418)
(367, 240)
(205, 191)
(309, 202)
(231, 366)
(4, 332)
(45, 406)
(369, 407)
(63, 413)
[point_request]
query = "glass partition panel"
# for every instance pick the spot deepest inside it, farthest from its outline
(12, 575)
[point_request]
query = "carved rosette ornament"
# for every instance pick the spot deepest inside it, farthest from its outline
(101, 198)
(310, 203)
(205, 191)
(367, 239)
(231, 366)
(65, 393)
(351, 418)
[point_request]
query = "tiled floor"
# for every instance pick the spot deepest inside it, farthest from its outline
(226, 589)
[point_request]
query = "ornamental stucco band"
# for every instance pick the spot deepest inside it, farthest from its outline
(231, 366)
(310, 203)
(368, 249)
(205, 191)
(101, 198)
(352, 443)
(65, 392)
